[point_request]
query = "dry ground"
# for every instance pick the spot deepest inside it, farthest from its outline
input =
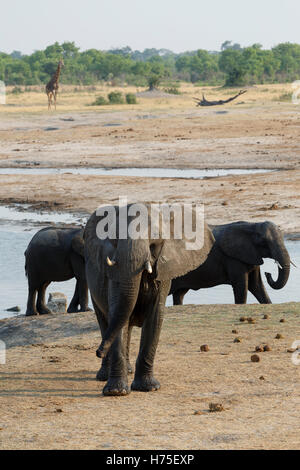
(49, 398)
(257, 131)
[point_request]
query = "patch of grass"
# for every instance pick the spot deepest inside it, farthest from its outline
(116, 97)
(172, 91)
(284, 97)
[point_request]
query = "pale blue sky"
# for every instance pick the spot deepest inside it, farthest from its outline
(178, 25)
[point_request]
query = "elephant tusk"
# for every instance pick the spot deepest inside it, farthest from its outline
(294, 264)
(148, 267)
(278, 264)
(110, 262)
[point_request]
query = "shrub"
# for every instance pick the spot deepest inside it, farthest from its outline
(99, 101)
(130, 98)
(172, 91)
(116, 97)
(17, 90)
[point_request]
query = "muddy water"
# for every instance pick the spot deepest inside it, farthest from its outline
(135, 172)
(13, 283)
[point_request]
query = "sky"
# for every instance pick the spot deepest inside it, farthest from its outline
(179, 25)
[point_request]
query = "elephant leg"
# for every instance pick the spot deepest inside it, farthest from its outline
(144, 380)
(83, 295)
(31, 307)
(117, 383)
(257, 288)
(178, 296)
(240, 288)
(73, 307)
(103, 372)
(127, 337)
(41, 303)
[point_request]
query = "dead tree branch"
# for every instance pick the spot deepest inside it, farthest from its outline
(205, 102)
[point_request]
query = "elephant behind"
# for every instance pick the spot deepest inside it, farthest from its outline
(235, 259)
(55, 254)
(129, 280)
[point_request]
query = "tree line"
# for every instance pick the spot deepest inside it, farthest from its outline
(232, 66)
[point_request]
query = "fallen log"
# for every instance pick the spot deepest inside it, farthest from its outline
(205, 102)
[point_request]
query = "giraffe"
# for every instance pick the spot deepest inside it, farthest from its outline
(52, 85)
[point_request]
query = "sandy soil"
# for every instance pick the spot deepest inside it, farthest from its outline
(49, 398)
(249, 135)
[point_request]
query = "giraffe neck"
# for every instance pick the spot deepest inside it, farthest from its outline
(57, 73)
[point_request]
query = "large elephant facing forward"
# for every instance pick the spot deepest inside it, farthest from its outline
(129, 280)
(235, 259)
(55, 254)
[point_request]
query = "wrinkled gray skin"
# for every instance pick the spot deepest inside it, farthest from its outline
(55, 254)
(126, 294)
(235, 259)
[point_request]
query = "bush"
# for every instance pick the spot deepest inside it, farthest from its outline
(99, 101)
(130, 98)
(115, 97)
(172, 91)
(17, 90)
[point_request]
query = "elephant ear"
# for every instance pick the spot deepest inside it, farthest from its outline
(78, 245)
(176, 260)
(237, 241)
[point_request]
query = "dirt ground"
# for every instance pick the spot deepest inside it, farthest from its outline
(258, 132)
(49, 398)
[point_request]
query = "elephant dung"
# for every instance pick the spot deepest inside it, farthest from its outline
(57, 302)
(255, 358)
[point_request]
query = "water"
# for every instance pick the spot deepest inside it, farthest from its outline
(20, 214)
(135, 172)
(13, 283)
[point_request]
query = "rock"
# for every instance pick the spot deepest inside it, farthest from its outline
(237, 340)
(242, 319)
(266, 317)
(282, 320)
(278, 336)
(57, 302)
(259, 349)
(204, 348)
(235, 332)
(261, 377)
(251, 320)
(255, 358)
(267, 348)
(13, 309)
(216, 407)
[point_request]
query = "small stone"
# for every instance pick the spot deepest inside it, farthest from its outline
(255, 358)
(266, 317)
(278, 336)
(59, 410)
(261, 377)
(259, 349)
(237, 340)
(251, 320)
(242, 319)
(267, 347)
(198, 412)
(216, 407)
(13, 309)
(204, 348)
(282, 320)
(235, 332)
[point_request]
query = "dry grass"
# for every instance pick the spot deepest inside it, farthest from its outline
(76, 98)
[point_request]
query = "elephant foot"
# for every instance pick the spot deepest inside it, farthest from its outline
(31, 313)
(72, 309)
(102, 374)
(145, 384)
(116, 387)
(86, 309)
(44, 310)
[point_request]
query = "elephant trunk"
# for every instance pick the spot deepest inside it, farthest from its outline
(123, 299)
(282, 257)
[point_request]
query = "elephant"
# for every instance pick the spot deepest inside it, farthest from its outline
(129, 279)
(55, 254)
(235, 259)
